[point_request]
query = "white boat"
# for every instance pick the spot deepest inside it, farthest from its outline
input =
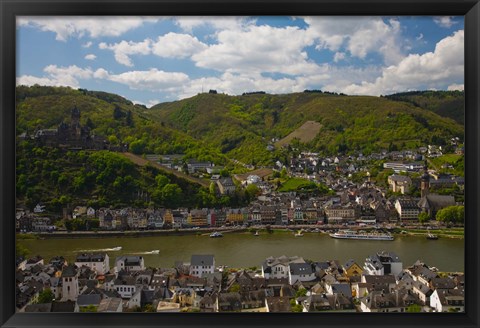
(216, 234)
(299, 234)
(155, 251)
(118, 248)
(351, 234)
(256, 234)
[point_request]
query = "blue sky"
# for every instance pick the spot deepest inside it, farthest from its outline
(156, 59)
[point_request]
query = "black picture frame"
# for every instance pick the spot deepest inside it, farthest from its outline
(11, 8)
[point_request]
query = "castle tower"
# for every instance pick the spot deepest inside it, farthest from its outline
(425, 181)
(75, 116)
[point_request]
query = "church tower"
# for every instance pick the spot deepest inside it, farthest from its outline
(75, 116)
(70, 288)
(425, 181)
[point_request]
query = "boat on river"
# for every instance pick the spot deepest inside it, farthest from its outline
(256, 234)
(431, 236)
(352, 234)
(299, 234)
(216, 234)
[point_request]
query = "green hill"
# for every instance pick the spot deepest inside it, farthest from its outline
(219, 127)
(242, 126)
(444, 103)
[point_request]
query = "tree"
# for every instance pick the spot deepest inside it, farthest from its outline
(129, 119)
(88, 308)
(414, 308)
(423, 217)
(301, 292)
(45, 296)
(235, 288)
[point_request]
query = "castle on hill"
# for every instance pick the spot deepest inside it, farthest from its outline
(70, 136)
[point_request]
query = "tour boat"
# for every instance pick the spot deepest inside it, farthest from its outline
(351, 234)
(216, 234)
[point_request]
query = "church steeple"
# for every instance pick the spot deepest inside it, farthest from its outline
(425, 181)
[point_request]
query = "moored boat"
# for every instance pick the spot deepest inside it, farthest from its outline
(216, 234)
(431, 236)
(299, 233)
(256, 234)
(351, 234)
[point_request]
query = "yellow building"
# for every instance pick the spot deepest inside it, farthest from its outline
(351, 268)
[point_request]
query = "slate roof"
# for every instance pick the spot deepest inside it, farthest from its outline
(300, 268)
(67, 306)
(69, 271)
(201, 260)
(36, 308)
(89, 299)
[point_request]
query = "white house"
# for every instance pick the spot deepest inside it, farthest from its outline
(202, 264)
(130, 263)
(383, 263)
(279, 267)
(98, 262)
(125, 286)
(445, 300)
(300, 272)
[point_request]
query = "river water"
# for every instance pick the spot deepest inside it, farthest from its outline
(245, 250)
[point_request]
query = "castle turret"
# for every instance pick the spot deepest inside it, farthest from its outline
(75, 116)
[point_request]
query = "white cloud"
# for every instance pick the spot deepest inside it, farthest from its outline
(150, 103)
(124, 49)
(432, 70)
(338, 56)
(454, 87)
(66, 27)
(58, 76)
(357, 35)
(153, 80)
(189, 23)
(90, 57)
(444, 21)
(420, 37)
(174, 45)
(258, 49)
(87, 44)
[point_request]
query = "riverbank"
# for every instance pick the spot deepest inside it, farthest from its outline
(411, 231)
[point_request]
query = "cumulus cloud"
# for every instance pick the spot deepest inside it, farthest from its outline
(358, 35)
(258, 49)
(189, 23)
(124, 49)
(432, 70)
(87, 44)
(153, 80)
(174, 45)
(444, 21)
(58, 76)
(93, 26)
(90, 57)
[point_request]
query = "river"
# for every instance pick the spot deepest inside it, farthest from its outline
(246, 250)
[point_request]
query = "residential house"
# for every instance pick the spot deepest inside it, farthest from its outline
(383, 263)
(202, 264)
(130, 263)
(351, 268)
(279, 267)
(99, 262)
(278, 304)
(448, 300)
(125, 286)
(300, 272)
(226, 186)
(113, 305)
(380, 301)
(407, 209)
(228, 302)
(400, 183)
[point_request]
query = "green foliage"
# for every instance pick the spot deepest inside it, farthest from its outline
(414, 308)
(88, 308)
(296, 307)
(20, 250)
(45, 296)
(451, 214)
(301, 292)
(423, 217)
(235, 288)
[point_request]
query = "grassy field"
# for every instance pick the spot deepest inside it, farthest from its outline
(294, 184)
(307, 132)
